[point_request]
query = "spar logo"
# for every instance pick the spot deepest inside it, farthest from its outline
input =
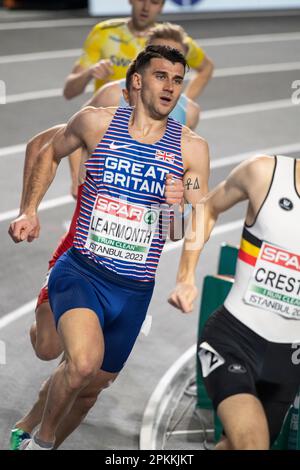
(186, 3)
(118, 208)
(281, 257)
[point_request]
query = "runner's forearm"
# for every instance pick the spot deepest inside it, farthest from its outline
(197, 83)
(30, 161)
(76, 83)
(39, 180)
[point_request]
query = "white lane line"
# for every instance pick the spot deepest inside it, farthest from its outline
(12, 149)
(228, 227)
(28, 307)
(50, 204)
(16, 314)
(249, 39)
(34, 95)
(218, 73)
(218, 41)
(40, 94)
(210, 114)
(256, 69)
(30, 57)
(247, 109)
(224, 41)
(234, 159)
(218, 230)
(61, 23)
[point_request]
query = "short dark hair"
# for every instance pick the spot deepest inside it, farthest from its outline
(143, 59)
(129, 74)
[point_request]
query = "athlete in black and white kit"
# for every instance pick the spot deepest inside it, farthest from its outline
(249, 349)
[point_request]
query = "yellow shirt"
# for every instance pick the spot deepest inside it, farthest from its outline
(113, 40)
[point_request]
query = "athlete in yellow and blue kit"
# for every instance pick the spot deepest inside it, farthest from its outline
(113, 44)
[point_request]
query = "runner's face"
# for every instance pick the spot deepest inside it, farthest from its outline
(171, 43)
(145, 12)
(161, 85)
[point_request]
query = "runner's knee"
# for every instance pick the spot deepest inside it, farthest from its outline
(47, 351)
(81, 370)
(47, 347)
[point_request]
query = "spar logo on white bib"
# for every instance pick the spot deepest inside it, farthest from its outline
(121, 230)
(275, 282)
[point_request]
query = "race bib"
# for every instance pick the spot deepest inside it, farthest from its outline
(121, 230)
(275, 282)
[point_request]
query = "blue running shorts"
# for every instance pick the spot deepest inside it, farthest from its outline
(120, 303)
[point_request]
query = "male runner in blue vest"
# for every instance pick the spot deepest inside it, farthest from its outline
(102, 287)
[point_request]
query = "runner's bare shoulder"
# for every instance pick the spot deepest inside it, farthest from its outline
(102, 115)
(254, 174)
(91, 118)
(194, 147)
(191, 138)
(260, 167)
